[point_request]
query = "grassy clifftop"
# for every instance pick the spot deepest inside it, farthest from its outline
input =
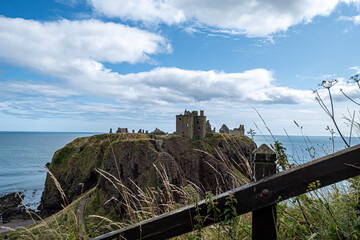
(136, 162)
(74, 166)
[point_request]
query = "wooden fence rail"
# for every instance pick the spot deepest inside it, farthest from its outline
(281, 186)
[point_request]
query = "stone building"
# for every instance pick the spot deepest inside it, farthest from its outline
(191, 125)
(158, 132)
(238, 131)
(122, 130)
(235, 132)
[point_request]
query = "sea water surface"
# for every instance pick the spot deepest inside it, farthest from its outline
(301, 149)
(23, 156)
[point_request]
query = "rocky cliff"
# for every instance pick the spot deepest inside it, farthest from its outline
(140, 162)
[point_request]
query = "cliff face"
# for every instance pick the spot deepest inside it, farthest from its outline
(137, 160)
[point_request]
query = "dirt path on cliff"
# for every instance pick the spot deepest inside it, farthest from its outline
(80, 215)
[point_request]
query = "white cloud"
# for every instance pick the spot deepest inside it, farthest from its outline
(151, 11)
(169, 86)
(356, 68)
(139, 98)
(149, 115)
(348, 87)
(73, 51)
(253, 18)
(70, 3)
(191, 30)
(60, 48)
(52, 108)
(43, 89)
(354, 19)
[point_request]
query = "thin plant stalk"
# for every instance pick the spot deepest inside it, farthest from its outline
(330, 114)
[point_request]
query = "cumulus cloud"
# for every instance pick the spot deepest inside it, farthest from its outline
(254, 18)
(60, 47)
(170, 86)
(73, 51)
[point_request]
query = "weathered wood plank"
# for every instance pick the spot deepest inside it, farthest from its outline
(264, 219)
(328, 170)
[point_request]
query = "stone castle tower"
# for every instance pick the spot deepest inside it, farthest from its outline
(190, 125)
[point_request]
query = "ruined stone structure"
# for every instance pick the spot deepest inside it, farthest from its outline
(238, 131)
(191, 125)
(235, 132)
(141, 131)
(224, 129)
(158, 132)
(208, 127)
(122, 130)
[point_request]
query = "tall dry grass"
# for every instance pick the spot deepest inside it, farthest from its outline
(153, 201)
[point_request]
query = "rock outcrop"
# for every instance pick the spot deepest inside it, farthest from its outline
(11, 207)
(137, 161)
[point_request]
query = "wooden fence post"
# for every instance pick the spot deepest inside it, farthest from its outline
(264, 219)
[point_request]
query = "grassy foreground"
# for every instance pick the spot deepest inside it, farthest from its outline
(329, 213)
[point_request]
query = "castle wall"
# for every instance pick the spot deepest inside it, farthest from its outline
(238, 131)
(190, 125)
(185, 125)
(199, 127)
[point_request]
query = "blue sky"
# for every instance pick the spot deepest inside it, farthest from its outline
(91, 65)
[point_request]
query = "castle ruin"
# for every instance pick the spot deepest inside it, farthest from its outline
(122, 130)
(191, 125)
(235, 132)
(238, 131)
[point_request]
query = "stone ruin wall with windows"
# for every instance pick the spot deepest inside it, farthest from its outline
(191, 125)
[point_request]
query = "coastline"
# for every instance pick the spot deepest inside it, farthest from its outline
(13, 212)
(30, 198)
(23, 156)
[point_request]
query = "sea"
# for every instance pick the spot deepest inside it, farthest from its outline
(301, 149)
(23, 156)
